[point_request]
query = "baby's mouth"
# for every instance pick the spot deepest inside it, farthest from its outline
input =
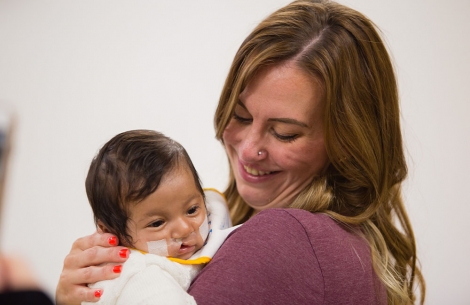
(186, 251)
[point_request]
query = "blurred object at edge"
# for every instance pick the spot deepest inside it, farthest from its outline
(18, 285)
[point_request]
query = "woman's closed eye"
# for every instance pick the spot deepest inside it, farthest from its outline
(241, 119)
(285, 137)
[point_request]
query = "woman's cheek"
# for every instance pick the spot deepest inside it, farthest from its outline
(230, 133)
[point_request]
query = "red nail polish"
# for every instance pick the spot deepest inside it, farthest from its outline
(112, 241)
(98, 293)
(117, 269)
(123, 253)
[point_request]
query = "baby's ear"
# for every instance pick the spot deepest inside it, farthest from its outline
(102, 228)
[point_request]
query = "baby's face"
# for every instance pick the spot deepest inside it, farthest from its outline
(172, 217)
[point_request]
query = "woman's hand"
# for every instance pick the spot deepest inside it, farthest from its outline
(93, 258)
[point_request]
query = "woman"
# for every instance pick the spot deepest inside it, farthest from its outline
(309, 118)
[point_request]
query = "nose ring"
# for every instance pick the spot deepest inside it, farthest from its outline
(260, 153)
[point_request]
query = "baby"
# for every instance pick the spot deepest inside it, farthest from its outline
(143, 188)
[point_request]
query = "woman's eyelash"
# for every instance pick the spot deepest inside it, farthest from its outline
(241, 119)
(286, 138)
(283, 138)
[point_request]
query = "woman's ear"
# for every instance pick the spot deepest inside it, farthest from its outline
(101, 228)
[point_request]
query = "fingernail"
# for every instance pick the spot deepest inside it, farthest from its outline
(117, 269)
(123, 253)
(98, 293)
(112, 241)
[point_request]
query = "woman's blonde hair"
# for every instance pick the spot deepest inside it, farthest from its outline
(361, 186)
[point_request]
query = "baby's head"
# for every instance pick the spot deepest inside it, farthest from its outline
(143, 187)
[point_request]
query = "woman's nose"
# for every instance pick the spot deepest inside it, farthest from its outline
(251, 144)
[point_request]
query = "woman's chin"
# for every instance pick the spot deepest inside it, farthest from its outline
(256, 201)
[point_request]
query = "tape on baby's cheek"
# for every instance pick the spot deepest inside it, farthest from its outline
(204, 229)
(158, 247)
(163, 247)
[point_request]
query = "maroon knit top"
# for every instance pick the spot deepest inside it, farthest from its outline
(290, 256)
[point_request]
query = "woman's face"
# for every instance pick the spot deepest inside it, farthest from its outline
(280, 115)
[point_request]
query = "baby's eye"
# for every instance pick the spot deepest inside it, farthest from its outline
(193, 210)
(157, 224)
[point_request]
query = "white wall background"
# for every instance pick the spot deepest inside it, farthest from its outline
(79, 72)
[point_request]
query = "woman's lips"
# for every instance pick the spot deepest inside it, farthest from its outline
(254, 171)
(254, 175)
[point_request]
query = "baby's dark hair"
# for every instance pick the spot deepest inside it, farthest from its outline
(126, 170)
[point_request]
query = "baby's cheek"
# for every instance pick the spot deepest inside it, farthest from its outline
(204, 229)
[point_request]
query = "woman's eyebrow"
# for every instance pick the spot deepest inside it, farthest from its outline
(281, 120)
(288, 121)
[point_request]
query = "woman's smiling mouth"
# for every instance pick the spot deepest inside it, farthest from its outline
(255, 172)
